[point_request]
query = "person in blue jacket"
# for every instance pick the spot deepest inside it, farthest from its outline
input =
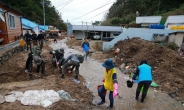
(86, 47)
(144, 73)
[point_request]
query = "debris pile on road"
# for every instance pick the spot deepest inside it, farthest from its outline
(167, 64)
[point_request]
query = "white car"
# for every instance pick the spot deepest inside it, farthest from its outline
(96, 37)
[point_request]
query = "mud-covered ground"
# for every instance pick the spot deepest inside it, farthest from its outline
(158, 98)
(13, 77)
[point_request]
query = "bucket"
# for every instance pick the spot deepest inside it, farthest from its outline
(98, 87)
(129, 84)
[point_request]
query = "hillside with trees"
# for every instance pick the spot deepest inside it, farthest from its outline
(33, 10)
(124, 11)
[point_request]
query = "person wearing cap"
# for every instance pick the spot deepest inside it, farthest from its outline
(41, 39)
(110, 83)
(144, 73)
(58, 55)
(35, 56)
(28, 39)
(86, 47)
(73, 61)
(34, 38)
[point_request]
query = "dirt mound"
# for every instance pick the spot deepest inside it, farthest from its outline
(167, 65)
(74, 42)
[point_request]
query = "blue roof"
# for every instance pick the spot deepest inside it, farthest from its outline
(28, 23)
(42, 27)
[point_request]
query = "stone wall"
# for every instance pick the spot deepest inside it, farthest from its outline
(8, 51)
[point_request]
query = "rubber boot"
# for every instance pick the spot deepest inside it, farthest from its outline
(143, 97)
(76, 77)
(137, 95)
(62, 76)
(100, 103)
(43, 72)
(110, 106)
(30, 76)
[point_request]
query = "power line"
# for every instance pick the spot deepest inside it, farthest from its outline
(57, 2)
(98, 14)
(62, 3)
(66, 4)
(79, 3)
(93, 10)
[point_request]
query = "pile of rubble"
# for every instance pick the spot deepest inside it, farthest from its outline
(167, 65)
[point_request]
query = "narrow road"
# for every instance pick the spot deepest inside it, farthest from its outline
(92, 71)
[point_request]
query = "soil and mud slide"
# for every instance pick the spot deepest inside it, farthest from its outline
(167, 65)
(13, 78)
(92, 71)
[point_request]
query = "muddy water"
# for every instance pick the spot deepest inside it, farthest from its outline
(92, 71)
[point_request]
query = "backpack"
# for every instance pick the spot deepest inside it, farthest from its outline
(36, 50)
(80, 57)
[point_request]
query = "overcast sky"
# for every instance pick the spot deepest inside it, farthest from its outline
(76, 11)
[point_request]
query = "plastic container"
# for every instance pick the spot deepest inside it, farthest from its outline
(98, 87)
(129, 84)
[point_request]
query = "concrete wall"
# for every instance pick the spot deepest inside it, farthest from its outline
(177, 39)
(143, 33)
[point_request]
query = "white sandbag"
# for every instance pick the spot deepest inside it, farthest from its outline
(18, 95)
(2, 100)
(40, 97)
(65, 95)
(31, 97)
(46, 103)
(10, 98)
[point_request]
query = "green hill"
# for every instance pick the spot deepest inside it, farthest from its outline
(124, 11)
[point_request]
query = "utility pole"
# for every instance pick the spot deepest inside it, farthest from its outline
(82, 30)
(158, 6)
(44, 14)
(87, 30)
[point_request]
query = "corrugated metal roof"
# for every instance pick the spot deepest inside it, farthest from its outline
(97, 28)
(28, 23)
(175, 19)
(148, 19)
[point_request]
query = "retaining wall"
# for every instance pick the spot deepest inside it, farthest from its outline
(7, 51)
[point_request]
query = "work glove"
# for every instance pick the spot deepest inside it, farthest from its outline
(57, 63)
(103, 80)
(115, 93)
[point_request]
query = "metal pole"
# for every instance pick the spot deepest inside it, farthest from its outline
(158, 6)
(87, 30)
(44, 14)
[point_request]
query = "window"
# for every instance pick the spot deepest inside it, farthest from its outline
(11, 21)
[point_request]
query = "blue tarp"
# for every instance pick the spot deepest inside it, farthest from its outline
(41, 27)
(28, 23)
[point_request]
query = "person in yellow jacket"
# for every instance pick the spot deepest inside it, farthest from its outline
(110, 83)
(22, 44)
